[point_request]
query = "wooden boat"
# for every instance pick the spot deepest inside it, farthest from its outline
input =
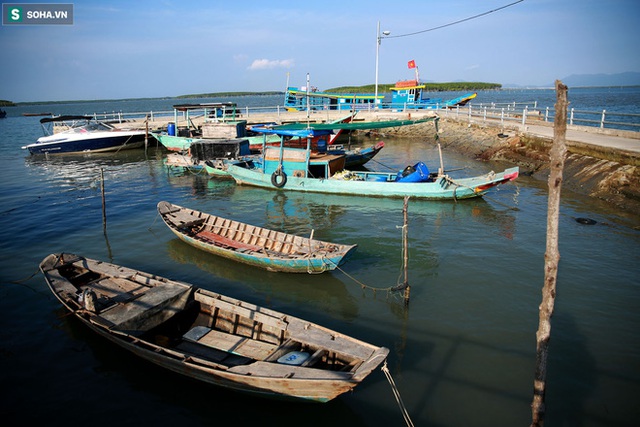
(302, 170)
(36, 114)
(375, 184)
(217, 165)
(207, 336)
(249, 244)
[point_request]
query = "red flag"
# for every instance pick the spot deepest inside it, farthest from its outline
(411, 64)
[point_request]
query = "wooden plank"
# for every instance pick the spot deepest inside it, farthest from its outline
(248, 313)
(242, 346)
(185, 219)
(277, 370)
(145, 306)
(225, 241)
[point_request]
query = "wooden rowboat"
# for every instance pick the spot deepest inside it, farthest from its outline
(249, 244)
(208, 336)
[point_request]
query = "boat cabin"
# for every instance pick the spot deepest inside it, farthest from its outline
(314, 161)
(297, 99)
(409, 93)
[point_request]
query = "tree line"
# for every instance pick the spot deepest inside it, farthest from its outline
(429, 87)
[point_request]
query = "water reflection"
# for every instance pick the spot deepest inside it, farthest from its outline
(298, 289)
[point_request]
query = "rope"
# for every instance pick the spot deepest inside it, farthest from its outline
(21, 283)
(396, 394)
(452, 181)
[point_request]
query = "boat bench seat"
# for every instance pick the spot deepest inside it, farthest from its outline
(183, 220)
(178, 217)
(234, 344)
(225, 241)
(147, 311)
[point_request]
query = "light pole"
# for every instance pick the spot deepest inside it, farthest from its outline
(378, 40)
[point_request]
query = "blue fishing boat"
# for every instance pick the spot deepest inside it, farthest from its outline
(261, 247)
(297, 169)
(299, 99)
(410, 94)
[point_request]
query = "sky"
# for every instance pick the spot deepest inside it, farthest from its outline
(164, 48)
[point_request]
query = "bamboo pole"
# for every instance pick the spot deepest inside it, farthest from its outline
(552, 255)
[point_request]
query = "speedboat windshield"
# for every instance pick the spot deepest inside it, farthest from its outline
(93, 127)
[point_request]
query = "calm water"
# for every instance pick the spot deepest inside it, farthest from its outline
(462, 354)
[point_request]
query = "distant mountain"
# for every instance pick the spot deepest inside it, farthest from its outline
(620, 79)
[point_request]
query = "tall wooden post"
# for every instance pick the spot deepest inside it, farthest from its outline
(104, 207)
(552, 255)
(405, 235)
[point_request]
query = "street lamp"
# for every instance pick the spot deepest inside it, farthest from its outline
(378, 40)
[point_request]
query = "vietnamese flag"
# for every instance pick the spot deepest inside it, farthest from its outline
(412, 64)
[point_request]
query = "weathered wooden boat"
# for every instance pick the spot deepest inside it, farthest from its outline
(183, 143)
(207, 336)
(302, 170)
(217, 165)
(375, 184)
(249, 244)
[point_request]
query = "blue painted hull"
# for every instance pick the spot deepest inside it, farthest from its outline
(377, 184)
(260, 247)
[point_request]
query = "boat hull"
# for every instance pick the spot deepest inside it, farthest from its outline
(380, 184)
(268, 249)
(115, 141)
(208, 336)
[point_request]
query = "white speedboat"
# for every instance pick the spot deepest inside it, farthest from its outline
(80, 134)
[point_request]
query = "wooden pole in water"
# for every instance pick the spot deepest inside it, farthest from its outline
(552, 255)
(146, 134)
(405, 235)
(104, 209)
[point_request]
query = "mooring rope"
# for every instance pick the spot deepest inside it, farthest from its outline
(396, 394)
(457, 184)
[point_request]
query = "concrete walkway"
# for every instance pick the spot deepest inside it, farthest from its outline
(587, 136)
(625, 143)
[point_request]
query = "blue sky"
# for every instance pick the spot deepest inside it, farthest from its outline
(133, 49)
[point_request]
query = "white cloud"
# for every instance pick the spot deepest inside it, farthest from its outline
(263, 64)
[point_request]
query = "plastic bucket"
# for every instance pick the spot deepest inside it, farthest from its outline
(322, 145)
(171, 129)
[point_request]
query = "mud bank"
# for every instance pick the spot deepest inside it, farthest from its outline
(604, 174)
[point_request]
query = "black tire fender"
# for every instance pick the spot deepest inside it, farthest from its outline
(278, 178)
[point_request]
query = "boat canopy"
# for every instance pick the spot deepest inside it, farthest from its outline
(354, 126)
(209, 105)
(64, 118)
(306, 132)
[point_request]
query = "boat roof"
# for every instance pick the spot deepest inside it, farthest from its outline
(305, 130)
(184, 107)
(64, 118)
(353, 125)
(296, 91)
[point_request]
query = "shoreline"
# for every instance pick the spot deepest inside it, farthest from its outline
(609, 174)
(604, 164)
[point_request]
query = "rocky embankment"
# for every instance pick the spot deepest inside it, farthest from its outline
(609, 176)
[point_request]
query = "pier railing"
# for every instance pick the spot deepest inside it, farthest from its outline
(508, 114)
(529, 113)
